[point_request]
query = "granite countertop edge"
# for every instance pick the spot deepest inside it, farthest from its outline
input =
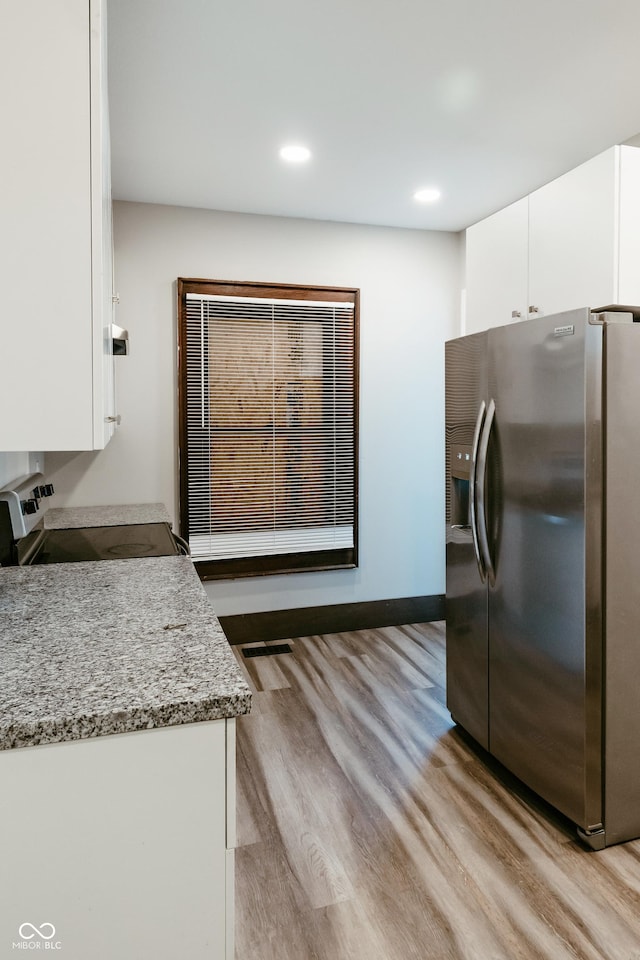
(91, 726)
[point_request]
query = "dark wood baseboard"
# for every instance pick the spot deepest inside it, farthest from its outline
(336, 618)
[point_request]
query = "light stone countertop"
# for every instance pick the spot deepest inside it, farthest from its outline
(112, 515)
(104, 647)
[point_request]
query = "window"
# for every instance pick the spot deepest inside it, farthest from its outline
(268, 426)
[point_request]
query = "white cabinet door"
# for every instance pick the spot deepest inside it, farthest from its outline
(496, 268)
(118, 842)
(102, 234)
(573, 243)
(573, 238)
(50, 371)
(629, 226)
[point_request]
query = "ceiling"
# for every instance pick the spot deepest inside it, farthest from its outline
(485, 99)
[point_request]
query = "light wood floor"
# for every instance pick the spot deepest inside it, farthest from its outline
(371, 829)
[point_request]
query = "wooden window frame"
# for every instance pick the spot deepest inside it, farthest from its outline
(334, 559)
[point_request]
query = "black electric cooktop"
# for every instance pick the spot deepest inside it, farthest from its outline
(105, 543)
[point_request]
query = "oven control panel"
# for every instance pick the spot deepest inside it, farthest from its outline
(28, 499)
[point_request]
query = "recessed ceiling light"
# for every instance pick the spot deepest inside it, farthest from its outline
(294, 153)
(427, 195)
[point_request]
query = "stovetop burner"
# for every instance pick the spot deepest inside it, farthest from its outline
(130, 550)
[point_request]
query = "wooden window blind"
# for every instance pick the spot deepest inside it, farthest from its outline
(268, 440)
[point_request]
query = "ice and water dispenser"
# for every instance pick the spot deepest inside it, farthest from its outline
(460, 473)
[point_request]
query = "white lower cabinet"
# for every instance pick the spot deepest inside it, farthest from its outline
(116, 847)
(573, 243)
(56, 363)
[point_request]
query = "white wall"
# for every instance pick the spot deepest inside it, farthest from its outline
(11, 466)
(410, 292)
(15, 465)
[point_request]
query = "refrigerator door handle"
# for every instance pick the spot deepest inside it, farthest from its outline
(480, 484)
(472, 489)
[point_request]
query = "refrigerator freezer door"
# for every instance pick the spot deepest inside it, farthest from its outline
(622, 568)
(539, 375)
(467, 637)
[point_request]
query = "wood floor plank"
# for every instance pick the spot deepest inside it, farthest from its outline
(413, 648)
(371, 827)
(269, 922)
(262, 673)
(296, 770)
(350, 644)
(394, 662)
(250, 813)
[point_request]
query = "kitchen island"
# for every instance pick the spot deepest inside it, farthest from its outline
(118, 698)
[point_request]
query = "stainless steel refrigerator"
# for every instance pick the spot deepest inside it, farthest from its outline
(543, 559)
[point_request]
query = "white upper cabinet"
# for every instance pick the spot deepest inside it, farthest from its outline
(496, 268)
(101, 233)
(581, 245)
(628, 227)
(56, 367)
(572, 230)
